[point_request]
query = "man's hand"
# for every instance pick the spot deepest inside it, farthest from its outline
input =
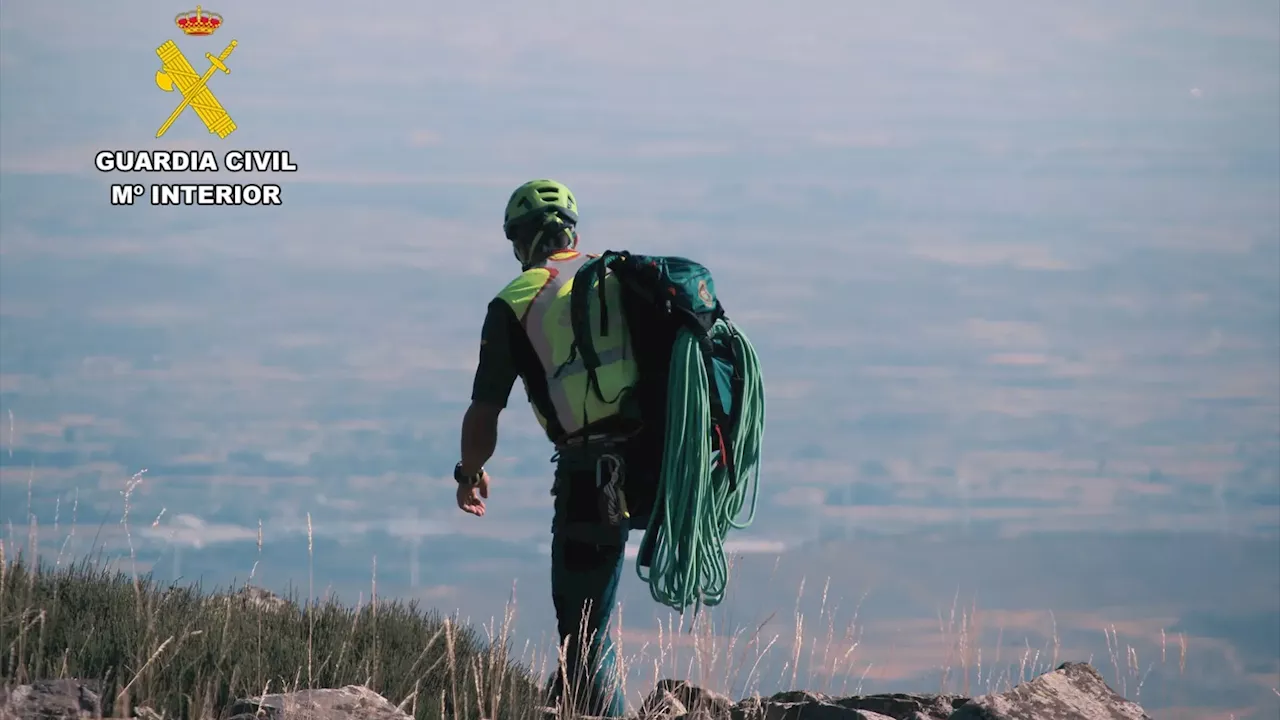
(479, 437)
(470, 496)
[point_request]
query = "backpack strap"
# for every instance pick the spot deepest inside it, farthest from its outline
(737, 384)
(724, 421)
(580, 318)
(719, 418)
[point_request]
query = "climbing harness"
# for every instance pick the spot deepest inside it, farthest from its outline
(602, 455)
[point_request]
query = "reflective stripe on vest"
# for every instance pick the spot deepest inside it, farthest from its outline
(540, 299)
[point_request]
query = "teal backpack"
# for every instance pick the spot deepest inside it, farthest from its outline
(700, 400)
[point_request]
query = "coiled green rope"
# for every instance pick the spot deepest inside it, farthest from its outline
(688, 565)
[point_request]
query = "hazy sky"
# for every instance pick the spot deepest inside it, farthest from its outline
(1013, 271)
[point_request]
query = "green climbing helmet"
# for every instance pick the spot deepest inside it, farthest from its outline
(537, 201)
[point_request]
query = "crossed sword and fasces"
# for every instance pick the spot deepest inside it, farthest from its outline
(194, 88)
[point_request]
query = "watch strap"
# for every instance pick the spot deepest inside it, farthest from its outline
(467, 479)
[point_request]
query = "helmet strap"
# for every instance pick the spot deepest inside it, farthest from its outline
(536, 248)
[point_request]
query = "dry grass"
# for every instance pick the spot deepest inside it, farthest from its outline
(188, 654)
(829, 655)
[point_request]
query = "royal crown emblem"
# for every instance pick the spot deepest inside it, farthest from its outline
(198, 22)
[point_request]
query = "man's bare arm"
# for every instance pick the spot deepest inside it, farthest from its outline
(479, 435)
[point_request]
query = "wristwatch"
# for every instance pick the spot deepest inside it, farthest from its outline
(471, 480)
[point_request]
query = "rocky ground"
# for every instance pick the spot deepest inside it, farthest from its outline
(1074, 691)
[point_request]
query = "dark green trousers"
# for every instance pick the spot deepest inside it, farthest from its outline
(587, 556)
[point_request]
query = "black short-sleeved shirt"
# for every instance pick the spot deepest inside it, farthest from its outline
(507, 354)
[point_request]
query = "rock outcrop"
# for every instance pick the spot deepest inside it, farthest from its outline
(51, 699)
(1074, 691)
(810, 706)
(352, 701)
(254, 598)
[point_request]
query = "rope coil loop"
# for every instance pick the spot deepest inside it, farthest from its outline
(701, 498)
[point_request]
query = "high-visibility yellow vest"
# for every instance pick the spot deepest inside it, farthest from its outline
(539, 297)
